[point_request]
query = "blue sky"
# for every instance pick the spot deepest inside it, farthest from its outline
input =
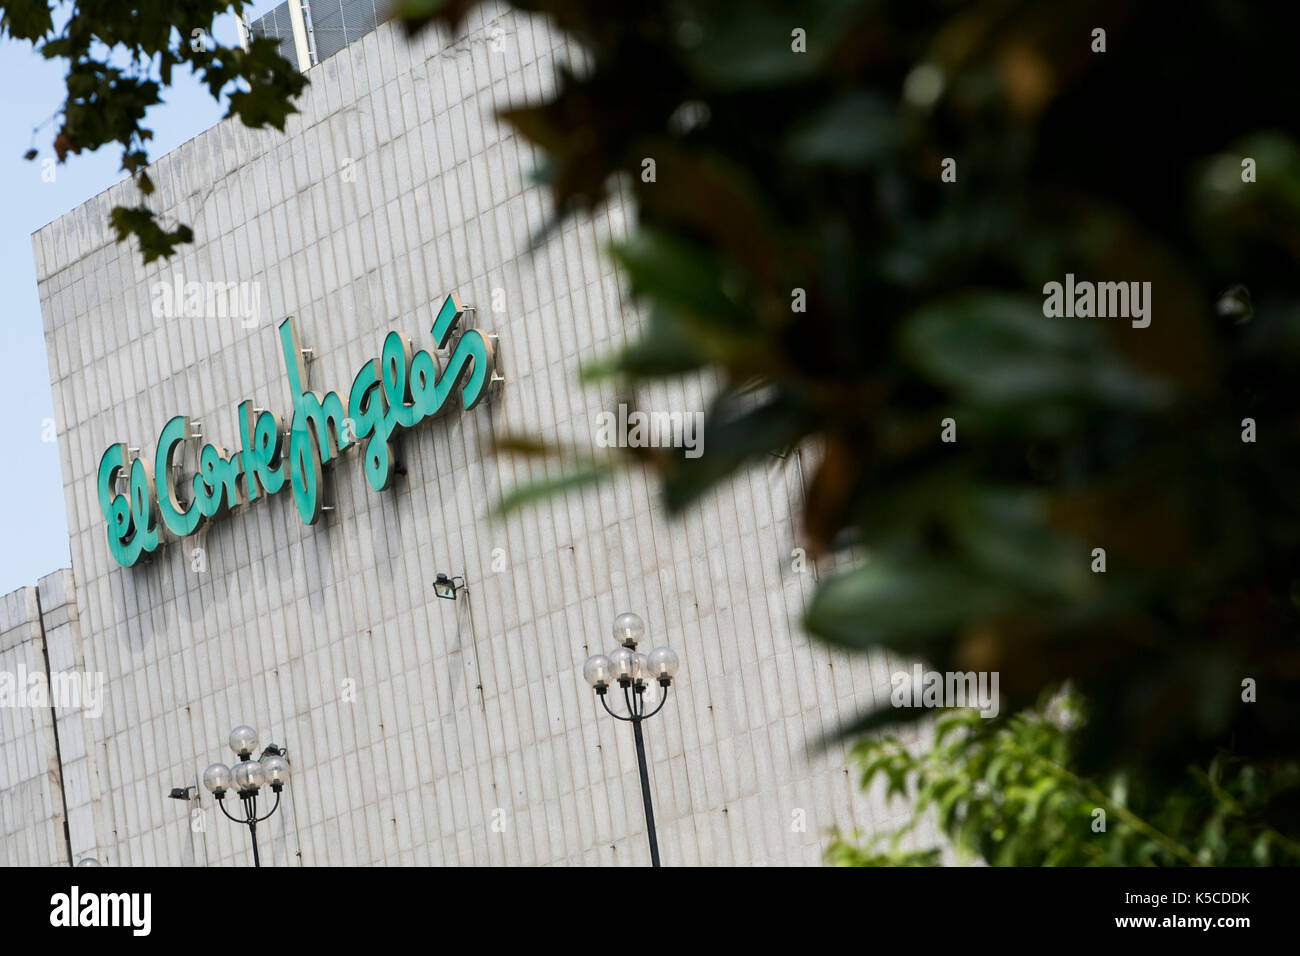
(35, 538)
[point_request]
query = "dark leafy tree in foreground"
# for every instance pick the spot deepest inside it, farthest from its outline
(120, 57)
(800, 147)
(821, 171)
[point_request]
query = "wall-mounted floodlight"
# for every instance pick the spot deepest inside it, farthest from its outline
(446, 587)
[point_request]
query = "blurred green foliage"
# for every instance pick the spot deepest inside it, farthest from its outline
(1002, 791)
(121, 57)
(778, 170)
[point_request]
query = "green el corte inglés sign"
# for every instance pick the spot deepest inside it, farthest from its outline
(398, 390)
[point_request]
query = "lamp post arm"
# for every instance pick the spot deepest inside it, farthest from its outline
(662, 700)
(222, 804)
(610, 712)
(274, 807)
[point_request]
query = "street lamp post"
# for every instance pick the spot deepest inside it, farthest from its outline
(633, 672)
(248, 777)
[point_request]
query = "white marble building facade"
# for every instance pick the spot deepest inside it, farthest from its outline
(420, 731)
